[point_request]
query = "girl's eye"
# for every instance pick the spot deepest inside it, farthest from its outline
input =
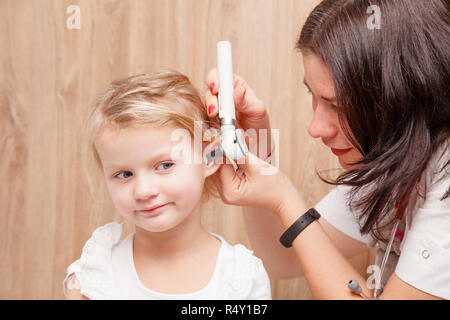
(125, 173)
(165, 165)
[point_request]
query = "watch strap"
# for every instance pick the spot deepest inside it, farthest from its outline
(298, 226)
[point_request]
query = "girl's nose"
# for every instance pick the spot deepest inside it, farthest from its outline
(145, 189)
(324, 124)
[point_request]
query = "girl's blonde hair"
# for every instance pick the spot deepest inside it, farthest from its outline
(159, 99)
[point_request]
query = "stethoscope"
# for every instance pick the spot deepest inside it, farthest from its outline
(353, 285)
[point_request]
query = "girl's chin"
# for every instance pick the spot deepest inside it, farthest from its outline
(160, 223)
(155, 227)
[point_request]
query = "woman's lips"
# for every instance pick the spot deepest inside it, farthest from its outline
(340, 152)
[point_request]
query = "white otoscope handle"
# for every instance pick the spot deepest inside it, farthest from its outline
(225, 70)
(233, 142)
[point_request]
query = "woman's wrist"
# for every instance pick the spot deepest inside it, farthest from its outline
(291, 204)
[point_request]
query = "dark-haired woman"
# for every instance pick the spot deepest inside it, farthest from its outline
(381, 103)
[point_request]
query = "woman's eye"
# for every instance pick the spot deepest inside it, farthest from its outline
(165, 165)
(125, 173)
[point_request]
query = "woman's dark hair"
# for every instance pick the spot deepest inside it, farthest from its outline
(392, 89)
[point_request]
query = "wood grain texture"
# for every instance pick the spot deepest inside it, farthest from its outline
(51, 199)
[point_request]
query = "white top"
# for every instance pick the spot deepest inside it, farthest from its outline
(424, 253)
(106, 270)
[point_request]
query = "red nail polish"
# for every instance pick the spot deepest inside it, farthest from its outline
(210, 109)
(211, 87)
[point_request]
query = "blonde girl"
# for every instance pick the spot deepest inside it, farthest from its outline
(156, 182)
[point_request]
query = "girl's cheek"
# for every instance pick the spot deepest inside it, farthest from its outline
(186, 182)
(119, 194)
(176, 185)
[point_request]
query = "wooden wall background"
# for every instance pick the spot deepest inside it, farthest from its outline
(50, 75)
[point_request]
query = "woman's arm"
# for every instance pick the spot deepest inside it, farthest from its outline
(325, 268)
(320, 252)
(264, 229)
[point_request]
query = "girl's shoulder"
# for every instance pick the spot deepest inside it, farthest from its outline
(104, 237)
(242, 273)
(237, 254)
(93, 269)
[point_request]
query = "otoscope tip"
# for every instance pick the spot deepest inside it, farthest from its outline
(217, 153)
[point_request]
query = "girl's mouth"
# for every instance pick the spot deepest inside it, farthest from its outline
(153, 210)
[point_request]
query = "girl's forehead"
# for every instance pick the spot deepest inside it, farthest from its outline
(141, 130)
(136, 144)
(113, 140)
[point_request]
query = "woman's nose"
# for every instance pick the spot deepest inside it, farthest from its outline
(145, 189)
(324, 124)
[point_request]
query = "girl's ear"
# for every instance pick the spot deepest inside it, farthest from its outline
(211, 167)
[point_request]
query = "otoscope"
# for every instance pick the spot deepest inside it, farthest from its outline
(233, 144)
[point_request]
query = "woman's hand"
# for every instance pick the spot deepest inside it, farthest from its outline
(256, 183)
(250, 111)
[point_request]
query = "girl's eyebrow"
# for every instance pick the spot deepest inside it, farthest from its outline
(161, 154)
(330, 100)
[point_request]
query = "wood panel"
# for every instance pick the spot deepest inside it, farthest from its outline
(51, 199)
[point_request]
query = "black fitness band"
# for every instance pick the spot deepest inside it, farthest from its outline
(298, 226)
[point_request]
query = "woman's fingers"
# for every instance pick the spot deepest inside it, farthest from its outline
(250, 111)
(244, 103)
(213, 84)
(211, 104)
(239, 97)
(224, 178)
(233, 184)
(212, 81)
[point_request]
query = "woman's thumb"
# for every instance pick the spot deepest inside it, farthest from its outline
(239, 98)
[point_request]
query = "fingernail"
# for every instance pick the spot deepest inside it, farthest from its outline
(211, 87)
(210, 109)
